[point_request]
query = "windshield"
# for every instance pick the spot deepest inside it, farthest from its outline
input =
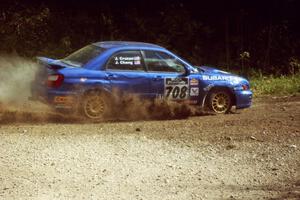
(83, 55)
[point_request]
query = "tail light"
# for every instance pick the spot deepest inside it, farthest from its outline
(55, 80)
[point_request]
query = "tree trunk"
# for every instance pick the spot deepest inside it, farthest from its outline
(227, 49)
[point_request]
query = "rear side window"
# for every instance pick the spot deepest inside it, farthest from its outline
(126, 60)
(83, 55)
(161, 62)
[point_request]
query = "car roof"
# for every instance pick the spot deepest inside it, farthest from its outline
(115, 44)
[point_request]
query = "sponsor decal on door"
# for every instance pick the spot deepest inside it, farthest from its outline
(176, 88)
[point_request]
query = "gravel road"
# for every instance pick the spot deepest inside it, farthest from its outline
(251, 154)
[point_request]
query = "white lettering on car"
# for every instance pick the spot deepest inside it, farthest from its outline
(216, 78)
(231, 79)
(128, 60)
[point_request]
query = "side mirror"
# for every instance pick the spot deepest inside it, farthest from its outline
(187, 72)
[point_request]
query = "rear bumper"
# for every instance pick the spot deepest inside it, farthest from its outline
(243, 99)
(55, 98)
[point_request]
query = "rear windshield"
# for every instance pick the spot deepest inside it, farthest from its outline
(83, 55)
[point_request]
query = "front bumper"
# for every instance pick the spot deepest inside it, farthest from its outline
(243, 98)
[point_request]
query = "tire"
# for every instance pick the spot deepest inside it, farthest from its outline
(94, 106)
(220, 101)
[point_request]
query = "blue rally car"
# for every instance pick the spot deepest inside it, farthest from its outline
(86, 79)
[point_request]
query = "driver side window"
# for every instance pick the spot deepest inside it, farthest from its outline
(161, 62)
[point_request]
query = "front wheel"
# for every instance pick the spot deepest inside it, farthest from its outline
(219, 101)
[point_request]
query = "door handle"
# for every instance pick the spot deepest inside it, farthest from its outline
(157, 78)
(110, 76)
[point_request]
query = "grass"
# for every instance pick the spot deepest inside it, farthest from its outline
(269, 85)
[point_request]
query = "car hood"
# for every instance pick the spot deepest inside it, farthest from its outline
(212, 70)
(214, 74)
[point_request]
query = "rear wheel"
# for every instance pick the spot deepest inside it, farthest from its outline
(220, 101)
(95, 106)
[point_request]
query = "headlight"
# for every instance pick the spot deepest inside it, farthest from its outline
(242, 87)
(234, 80)
(245, 87)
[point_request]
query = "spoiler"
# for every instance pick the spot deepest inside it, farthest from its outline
(51, 63)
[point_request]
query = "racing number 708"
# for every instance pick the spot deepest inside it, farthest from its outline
(176, 92)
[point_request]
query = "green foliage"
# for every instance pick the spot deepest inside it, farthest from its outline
(197, 34)
(269, 85)
(24, 30)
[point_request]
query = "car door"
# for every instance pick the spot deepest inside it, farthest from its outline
(168, 76)
(126, 73)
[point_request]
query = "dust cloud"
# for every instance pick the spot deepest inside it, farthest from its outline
(15, 77)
